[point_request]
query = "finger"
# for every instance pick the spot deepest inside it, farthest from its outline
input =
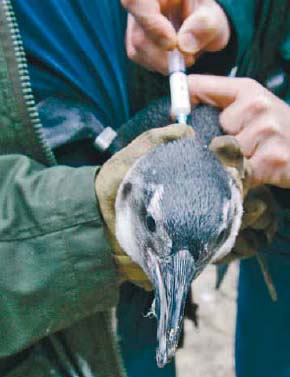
(170, 133)
(152, 58)
(272, 228)
(205, 29)
(156, 26)
(232, 118)
(256, 133)
(189, 60)
(246, 244)
(260, 206)
(270, 163)
(228, 151)
(222, 91)
(144, 51)
(131, 52)
(253, 210)
(214, 90)
(236, 116)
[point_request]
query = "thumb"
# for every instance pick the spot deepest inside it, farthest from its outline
(154, 24)
(207, 28)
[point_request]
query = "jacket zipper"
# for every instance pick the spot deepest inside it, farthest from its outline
(25, 80)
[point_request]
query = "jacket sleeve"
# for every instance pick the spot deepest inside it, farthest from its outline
(242, 17)
(55, 264)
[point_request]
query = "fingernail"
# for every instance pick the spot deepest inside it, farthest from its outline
(189, 60)
(187, 43)
(167, 43)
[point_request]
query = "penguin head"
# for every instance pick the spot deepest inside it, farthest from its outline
(176, 210)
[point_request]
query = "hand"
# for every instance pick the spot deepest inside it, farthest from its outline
(258, 119)
(109, 179)
(150, 35)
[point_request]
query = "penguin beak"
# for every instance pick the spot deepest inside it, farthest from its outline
(171, 278)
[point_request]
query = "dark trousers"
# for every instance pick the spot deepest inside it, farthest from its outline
(263, 326)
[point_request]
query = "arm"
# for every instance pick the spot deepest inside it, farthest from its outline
(55, 264)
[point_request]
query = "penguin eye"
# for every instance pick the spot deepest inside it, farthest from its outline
(150, 223)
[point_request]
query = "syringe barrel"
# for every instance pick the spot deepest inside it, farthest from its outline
(180, 101)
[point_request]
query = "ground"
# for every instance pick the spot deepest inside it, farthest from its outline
(208, 351)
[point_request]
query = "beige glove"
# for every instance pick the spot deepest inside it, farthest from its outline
(259, 224)
(259, 220)
(109, 179)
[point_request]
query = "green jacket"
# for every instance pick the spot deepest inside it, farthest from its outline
(57, 277)
(58, 282)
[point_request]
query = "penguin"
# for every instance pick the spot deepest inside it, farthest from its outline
(177, 210)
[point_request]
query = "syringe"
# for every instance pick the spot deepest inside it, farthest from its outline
(180, 101)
